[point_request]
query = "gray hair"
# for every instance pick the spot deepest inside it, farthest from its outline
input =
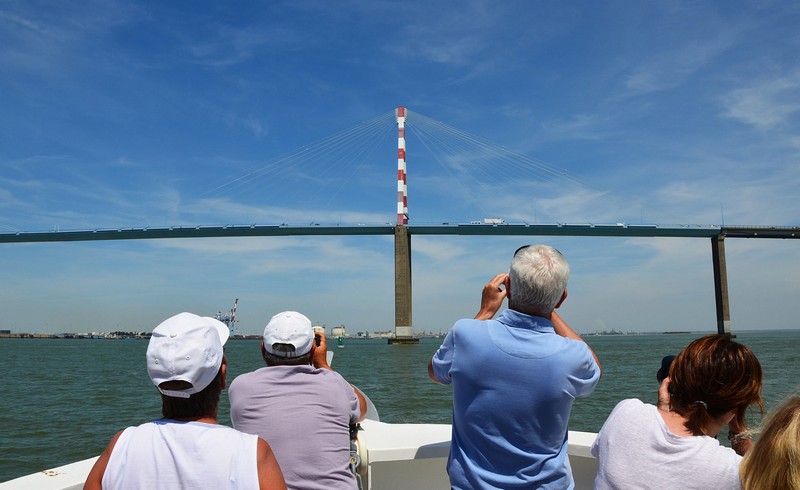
(539, 275)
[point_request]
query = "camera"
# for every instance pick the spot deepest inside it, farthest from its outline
(318, 333)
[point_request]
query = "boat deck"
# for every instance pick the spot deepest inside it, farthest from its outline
(393, 457)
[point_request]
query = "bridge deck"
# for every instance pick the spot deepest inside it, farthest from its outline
(560, 229)
(403, 322)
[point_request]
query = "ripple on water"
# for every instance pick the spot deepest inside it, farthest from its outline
(64, 399)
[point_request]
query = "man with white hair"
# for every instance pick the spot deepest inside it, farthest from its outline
(514, 379)
(187, 449)
(300, 405)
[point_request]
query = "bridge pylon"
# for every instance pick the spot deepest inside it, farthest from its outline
(721, 285)
(403, 328)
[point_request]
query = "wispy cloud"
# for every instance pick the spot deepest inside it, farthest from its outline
(765, 104)
(579, 126)
(455, 37)
(222, 210)
(126, 113)
(44, 39)
(224, 45)
(671, 66)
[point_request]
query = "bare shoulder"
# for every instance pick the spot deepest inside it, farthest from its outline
(94, 479)
(269, 472)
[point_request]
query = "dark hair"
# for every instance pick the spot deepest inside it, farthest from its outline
(201, 404)
(712, 376)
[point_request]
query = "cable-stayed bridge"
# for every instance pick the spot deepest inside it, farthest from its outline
(472, 162)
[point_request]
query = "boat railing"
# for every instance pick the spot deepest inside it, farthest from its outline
(393, 457)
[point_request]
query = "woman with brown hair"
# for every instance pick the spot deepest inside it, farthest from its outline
(711, 384)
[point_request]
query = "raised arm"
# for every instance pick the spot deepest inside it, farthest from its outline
(319, 359)
(319, 352)
(738, 436)
(561, 328)
(494, 292)
(492, 296)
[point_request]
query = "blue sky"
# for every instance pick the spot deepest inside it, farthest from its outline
(127, 114)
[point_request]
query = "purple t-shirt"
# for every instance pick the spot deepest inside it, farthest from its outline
(304, 413)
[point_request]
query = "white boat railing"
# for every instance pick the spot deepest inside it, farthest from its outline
(393, 457)
(67, 477)
(414, 456)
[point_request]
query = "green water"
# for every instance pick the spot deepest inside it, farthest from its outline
(62, 400)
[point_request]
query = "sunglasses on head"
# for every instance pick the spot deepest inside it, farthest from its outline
(526, 246)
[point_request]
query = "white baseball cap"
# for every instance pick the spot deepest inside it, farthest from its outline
(186, 347)
(288, 334)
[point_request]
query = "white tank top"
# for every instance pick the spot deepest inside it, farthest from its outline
(182, 455)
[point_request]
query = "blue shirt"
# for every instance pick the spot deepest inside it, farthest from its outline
(514, 380)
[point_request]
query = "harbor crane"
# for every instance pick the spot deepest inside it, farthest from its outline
(229, 318)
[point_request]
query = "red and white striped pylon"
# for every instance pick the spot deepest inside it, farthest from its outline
(402, 187)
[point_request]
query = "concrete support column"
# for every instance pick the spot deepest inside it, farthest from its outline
(721, 285)
(402, 288)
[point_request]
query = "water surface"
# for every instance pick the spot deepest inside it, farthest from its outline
(62, 400)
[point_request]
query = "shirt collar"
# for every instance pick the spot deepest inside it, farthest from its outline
(516, 319)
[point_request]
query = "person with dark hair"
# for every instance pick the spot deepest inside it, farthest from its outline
(711, 384)
(300, 405)
(514, 379)
(187, 449)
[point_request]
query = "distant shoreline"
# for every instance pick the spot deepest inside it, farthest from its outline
(76, 336)
(146, 336)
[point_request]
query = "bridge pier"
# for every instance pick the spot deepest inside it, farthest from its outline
(403, 330)
(721, 285)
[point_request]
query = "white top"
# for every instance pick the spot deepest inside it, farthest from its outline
(166, 454)
(635, 449)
